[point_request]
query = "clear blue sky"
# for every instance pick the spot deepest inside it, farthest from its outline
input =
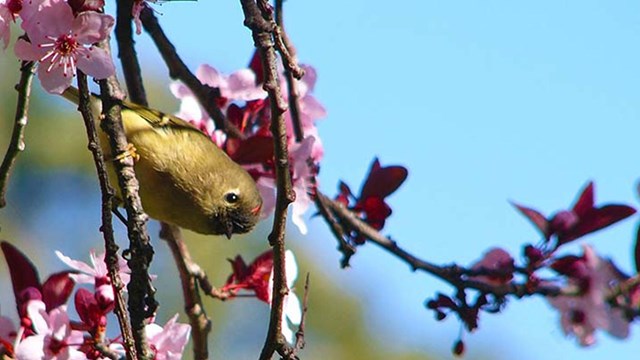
(484, 102)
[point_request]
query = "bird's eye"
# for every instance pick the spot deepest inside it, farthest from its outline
(231, 197)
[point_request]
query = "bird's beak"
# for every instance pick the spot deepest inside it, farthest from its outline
(229, 230)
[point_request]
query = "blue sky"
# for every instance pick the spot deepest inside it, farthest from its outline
(484, 102)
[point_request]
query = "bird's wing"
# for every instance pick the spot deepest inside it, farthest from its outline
(159, 119)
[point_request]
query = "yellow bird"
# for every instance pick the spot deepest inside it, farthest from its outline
(185, 178)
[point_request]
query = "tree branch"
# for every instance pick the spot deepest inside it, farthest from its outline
(287, 48)
(178, 70)
(455, 275)
(189, 279)
(256, 15)
(17, 145)
(111, 248)
(127, 53)
(141, 300)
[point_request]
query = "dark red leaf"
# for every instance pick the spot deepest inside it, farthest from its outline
(260, 270)
(256, 65)
(537, 219)
(235, 115)
(87, 307)
(57, 289)
(569, 265)
(383, 181)
(344, 195)
(256, 149)
(23, 273)
(585, 201)
(595, 220)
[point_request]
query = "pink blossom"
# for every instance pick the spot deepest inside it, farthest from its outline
(61, 43)
(6, 17)
(310, 108)
(495, 260)
(582, 315)
(292, 309)
(97, 274)
(239, 86)
(53, 339)
(168, 342)
(302, 180)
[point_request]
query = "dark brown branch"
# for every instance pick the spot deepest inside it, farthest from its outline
(17, 145)
(454, 275)
(299, 345)
(344, 246)
(141, 300)
(189, 279)
(178, 70)
(127, 53)
(256, 15)
(292, 85)
(111, 248)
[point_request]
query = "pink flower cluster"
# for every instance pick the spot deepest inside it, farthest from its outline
(46, 330)
(593, 291)
(245, 105)
(60, 37)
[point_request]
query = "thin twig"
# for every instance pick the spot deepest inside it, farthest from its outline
(141, 293)
(189, 271)
(262, 31)
(17, 145)
(344, 246)
(292, 85)
(454, 275)
(127, 53)
(178, 70)
(111, 248)
(299, 345)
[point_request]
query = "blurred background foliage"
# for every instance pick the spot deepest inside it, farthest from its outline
(53, 204)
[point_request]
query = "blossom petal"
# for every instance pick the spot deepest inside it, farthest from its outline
(31, 348)
(96, 62)
(54, 81)
(75, 264)
(92, 27)
(209, 75)
(26, 51)
(293, 308)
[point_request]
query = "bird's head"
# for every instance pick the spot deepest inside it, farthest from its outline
(239, 207)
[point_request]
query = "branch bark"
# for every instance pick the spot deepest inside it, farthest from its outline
(141, 300)
(257, 20)
(17, 145)
(111, 248)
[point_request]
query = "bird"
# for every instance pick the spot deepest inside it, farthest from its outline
(185, 178)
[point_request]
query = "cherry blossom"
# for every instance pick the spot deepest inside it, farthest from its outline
(292, 309)
(168, 342)
(97, 274)
(53, 339)
(495, 260)
(61, 43)
(582, 315)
